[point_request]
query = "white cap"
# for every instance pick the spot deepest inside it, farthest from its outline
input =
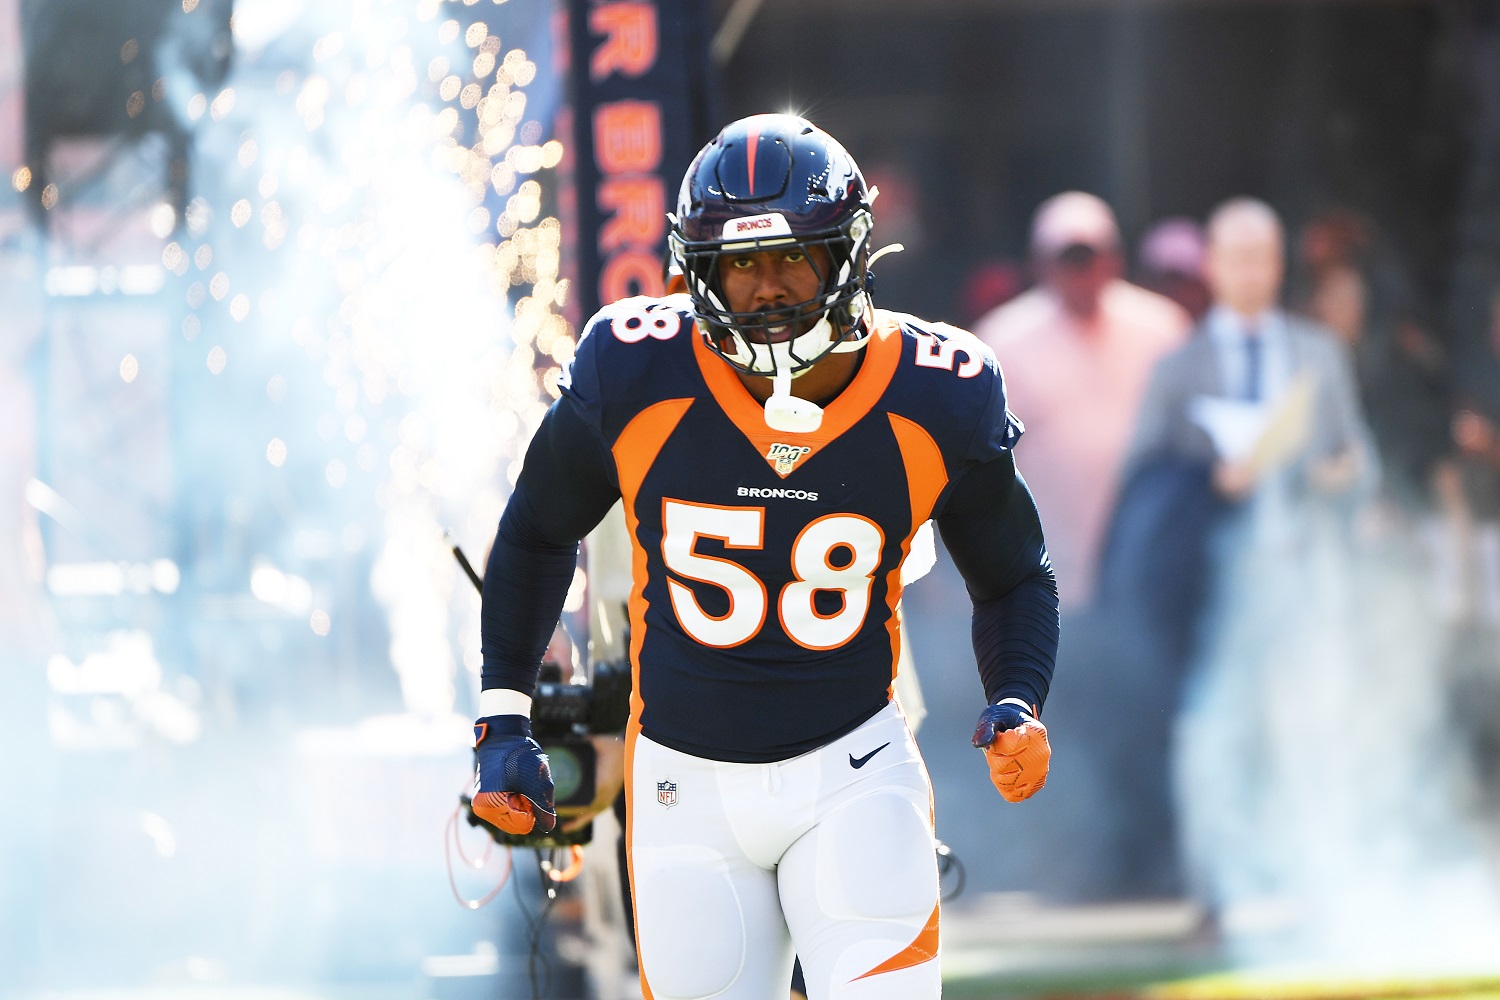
(1073, 218)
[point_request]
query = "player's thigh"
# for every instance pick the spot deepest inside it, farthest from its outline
(860, 892)
(708, 920)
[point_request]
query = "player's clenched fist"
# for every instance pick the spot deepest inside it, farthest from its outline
(512, 783)
(1015, 747)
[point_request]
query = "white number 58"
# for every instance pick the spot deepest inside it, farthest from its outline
(836, 552)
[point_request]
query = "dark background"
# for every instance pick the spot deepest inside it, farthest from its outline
(1161, 109)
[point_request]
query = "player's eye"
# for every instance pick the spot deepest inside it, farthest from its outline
(795, 257)
(741, 263)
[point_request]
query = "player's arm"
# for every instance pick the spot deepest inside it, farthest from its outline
(565, 488)
(990, 527)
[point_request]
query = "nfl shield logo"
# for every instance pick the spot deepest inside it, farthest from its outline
(666, 793)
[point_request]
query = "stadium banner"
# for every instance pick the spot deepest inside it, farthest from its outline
(639, 101)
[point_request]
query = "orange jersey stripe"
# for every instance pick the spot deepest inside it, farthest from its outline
(924, 948)
(632, 733)
(635, 450)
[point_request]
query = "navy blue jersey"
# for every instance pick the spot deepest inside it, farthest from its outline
(767, 563)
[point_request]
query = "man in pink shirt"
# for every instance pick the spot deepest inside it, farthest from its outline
(1077, 350)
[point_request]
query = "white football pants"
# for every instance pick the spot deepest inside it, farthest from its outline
(736, 868)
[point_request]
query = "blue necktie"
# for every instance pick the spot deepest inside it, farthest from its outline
(1253, 350)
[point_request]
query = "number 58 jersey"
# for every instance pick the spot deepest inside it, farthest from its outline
(767, 564)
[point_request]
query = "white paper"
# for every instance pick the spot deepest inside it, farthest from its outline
(1233, 425)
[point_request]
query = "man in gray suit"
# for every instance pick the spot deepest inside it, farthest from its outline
(1248, 350)
(1248, 455)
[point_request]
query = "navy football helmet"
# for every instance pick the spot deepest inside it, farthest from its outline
(766, 182)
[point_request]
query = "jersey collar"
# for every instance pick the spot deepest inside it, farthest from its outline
(882, 354)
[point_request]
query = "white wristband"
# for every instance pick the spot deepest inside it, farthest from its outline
(1019, 704)
(503, 701)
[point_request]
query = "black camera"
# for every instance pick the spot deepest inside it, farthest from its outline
(564, 716)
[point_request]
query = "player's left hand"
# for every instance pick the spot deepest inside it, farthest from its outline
(1015, 747)
(512, 782)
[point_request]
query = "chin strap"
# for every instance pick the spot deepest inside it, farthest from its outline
(785, 412)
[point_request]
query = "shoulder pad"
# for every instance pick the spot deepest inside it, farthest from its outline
(620, 355)
(634, 319)
(958, 387)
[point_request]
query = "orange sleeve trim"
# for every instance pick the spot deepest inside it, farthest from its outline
(641, 441)
(926, 475)
(883, 354)
(635, 451)
(924, 948)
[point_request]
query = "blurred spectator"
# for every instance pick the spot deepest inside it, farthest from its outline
(1254, 352)
(1476, 433)
(1422, 552)
(1251, 438)
(1170, 263)
(1474, 660)
(1347, 281)
(1076, 351)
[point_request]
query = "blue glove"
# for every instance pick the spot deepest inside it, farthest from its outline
(512, 783)
(1016, 749)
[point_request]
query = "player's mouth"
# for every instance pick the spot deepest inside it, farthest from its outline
(774, 328)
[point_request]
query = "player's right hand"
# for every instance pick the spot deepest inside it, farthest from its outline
(1015, 746)
(512, 782)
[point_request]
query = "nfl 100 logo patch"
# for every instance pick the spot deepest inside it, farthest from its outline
(666, 793)
(784, 457)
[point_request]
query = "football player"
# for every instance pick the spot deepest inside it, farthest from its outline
(777, 442)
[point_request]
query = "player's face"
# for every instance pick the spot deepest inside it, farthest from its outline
(773, 282)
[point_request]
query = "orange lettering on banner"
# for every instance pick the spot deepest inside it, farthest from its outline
(627, 137)
(628, 149)
(630, 272)
(639, 205)
(629, 45)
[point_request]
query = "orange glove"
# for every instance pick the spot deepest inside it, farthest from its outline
(510, 811)
(1015, 747)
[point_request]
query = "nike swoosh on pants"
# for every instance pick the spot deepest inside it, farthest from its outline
(857, 762)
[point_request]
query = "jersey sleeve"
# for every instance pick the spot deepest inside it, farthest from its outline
(565, 488)
(994, 536)
(974, 402)
(620, 363)
(998, 429)
(987, 517)
(580, 377)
